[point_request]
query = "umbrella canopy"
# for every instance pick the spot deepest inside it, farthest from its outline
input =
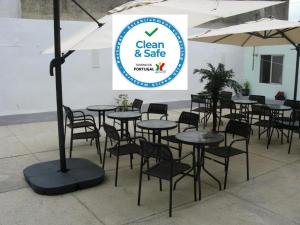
(267, 31)
(263, 32)
(199, 12)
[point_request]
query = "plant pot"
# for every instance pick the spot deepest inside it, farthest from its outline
(245, 92)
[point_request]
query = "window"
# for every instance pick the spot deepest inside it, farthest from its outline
(271, 69)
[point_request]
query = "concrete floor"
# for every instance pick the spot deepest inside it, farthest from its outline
(272, 196)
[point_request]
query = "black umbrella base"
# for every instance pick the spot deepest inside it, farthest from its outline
(46, 178)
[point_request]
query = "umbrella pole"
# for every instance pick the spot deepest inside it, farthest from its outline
(297, 72)
(59, 101)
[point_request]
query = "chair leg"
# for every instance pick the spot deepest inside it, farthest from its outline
(117, 170)
(104, 154)
(148, 166)
(65, 127)
(170, 200)
(131, 157)
(140, 182)
(71, 143)
(160, 185)
(226, 172)
(195, 177)
(290, 142)
(247, 161)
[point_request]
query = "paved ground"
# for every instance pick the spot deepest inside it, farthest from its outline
(272, 196)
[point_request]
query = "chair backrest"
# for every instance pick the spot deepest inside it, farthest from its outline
(111, 132)
(137, 104)
(157, 108)
(69, 113)
(200, 98)
(295, 116)
(189, 119)
(227, 95)
(292, 103)
(226, 103)
(155, 150)
(259, 98)
(238, 128)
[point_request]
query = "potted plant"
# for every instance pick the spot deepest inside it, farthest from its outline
(217, 79)
(123, 102)
(246, 88)
(280, 95)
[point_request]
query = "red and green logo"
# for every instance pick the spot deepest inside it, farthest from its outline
(160, 67)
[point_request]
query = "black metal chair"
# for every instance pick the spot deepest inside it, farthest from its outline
(185, 118)
(226, 102)
(292, 125)
(203, 105)
(166, 167)
(136, 106)
(256, 110)
(157, 108)
(117, 149)
(241, 129)
(80, 120)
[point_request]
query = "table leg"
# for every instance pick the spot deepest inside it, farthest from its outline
(199, 165)
(159, 137)
(99, 117)
(122, 129)
(126, 128)
(103, 116)
(153, 136)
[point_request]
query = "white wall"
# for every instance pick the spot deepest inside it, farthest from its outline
(26, 87)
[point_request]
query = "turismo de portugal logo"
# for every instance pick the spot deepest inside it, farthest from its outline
(149, 52)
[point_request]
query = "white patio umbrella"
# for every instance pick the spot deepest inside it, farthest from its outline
(267, 31)
(199, 12)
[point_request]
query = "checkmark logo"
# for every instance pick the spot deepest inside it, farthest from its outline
(151, 33)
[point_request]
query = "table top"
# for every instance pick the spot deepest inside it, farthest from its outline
(200, 137)
(276, 107)
(127, 115)
(244, 101)
(101, 107)
(157, 124)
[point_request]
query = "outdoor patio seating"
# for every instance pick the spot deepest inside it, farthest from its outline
(165, 168)
(242, 130)
(80, 120)
(120, 147)
(185, 118)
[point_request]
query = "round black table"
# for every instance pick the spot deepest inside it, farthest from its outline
(101, 109)
(245, 106)
(124, 117)
(200, 139)
(157, 126)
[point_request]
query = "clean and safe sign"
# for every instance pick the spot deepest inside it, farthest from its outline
(149, 52)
